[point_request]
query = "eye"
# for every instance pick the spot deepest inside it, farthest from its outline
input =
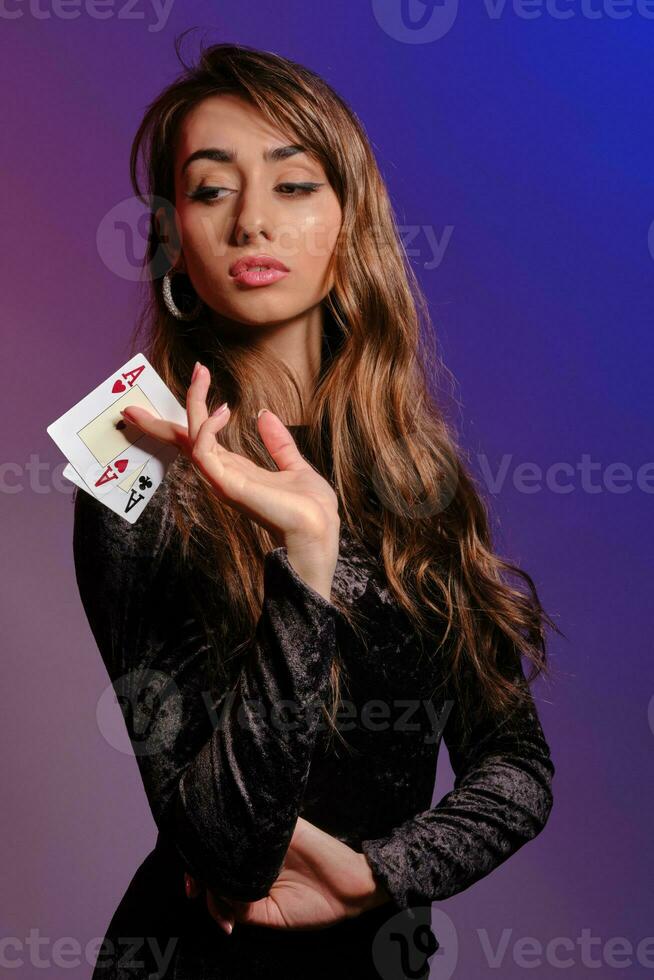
(207, 194)
(297, 190)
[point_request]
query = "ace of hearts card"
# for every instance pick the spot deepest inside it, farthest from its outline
(110, 457)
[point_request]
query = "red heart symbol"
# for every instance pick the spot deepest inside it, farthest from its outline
(118, 386)
(121, 465)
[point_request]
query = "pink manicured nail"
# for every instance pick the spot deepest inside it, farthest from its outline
(261, 411)
(195, 370)
(219, 410)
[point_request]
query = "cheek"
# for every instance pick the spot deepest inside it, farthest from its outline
(315, 240)
(204, 238)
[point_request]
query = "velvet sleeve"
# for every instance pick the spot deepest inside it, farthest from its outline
(502, 798)
(226, 787)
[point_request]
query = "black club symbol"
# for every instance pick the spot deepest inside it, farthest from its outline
(144, 482)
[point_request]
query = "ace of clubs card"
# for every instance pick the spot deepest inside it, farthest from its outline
(110, 457)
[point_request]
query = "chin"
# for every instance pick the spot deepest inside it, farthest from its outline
(255, 314)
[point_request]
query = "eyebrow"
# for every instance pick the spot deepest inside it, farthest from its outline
(221, 155)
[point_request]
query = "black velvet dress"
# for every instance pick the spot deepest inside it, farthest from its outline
(225, 784)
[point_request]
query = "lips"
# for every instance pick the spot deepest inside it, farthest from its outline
(254, 261)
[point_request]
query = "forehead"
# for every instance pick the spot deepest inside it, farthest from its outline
(229, 121)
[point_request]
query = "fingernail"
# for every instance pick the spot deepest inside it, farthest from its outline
(195, 370)
(228, 928)
(261, 410)
(219, 410)
(124, 411)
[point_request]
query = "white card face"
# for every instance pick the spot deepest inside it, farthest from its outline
(109, 456)
(131, 499)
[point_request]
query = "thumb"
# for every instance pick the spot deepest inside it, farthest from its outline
(279, 442)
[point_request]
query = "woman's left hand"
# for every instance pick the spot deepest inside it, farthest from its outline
(322, 882)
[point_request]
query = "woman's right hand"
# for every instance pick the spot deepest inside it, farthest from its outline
(295, 504)
(322, 881)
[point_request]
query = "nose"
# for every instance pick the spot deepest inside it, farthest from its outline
(252, 218)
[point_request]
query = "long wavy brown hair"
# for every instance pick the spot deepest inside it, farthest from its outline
(375, 426)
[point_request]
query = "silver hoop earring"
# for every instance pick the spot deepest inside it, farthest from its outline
(172, 306)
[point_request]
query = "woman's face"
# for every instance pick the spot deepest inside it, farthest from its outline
(233, 200)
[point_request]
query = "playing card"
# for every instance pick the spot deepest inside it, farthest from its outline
(129, 497)
(109, 456)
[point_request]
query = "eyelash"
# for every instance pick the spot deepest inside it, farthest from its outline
(205, 193)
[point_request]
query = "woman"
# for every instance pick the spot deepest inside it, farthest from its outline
(306, 608)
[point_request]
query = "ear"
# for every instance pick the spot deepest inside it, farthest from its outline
(169, 238)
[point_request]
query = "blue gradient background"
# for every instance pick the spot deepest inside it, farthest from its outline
(532, 140)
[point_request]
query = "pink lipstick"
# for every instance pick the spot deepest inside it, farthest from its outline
(258, 270)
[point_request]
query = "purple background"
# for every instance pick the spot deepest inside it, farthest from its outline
(530, 138)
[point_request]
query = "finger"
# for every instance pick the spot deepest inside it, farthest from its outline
(220, 910)
(196, 401)
(279, 442)
(152, 425)
(205, 441)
